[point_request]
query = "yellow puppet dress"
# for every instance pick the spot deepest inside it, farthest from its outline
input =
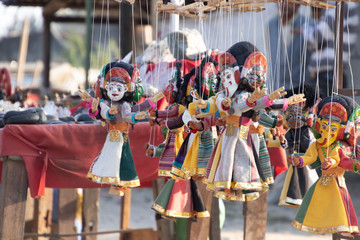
(324, 207)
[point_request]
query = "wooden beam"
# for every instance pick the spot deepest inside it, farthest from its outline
(66, 210)
(46, 52)
(125, 30)
(215, 232)
(255, 217)
(52, 6)
(13, 194)
(349, 92)
(23, 52)
(125, 210)
(42, 214)
(339, 30)
(90, 212)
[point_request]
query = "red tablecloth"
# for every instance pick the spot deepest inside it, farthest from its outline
(59, 156)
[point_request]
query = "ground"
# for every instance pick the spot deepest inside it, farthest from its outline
(279, 218)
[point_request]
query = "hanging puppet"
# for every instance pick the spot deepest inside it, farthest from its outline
(171, 118)
(114, 165)
(180, 197)
(299, 120)
(195, 152)
(237, 172)
(327, 207)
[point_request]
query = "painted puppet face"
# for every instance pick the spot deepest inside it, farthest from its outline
(116, 90)
(256, 77)
(139, 91)
(208, 80)
(228, 81)
(294, 117)
(328, 130)
(168, 92)
(212, 84)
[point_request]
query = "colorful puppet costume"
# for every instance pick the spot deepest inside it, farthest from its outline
(114, 165)
(194, 154)
(299, 137)
(180, 199)
(327, 207)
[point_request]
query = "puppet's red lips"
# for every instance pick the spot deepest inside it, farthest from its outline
(323, 143)
(115, 95)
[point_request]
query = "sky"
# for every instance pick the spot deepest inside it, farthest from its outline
(14, 16)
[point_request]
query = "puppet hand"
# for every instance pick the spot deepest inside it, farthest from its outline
(156, 97)
(195, 125)
(94, 104)
(326, 164)
(85, 96)
(221, 121)
(150, 151)
(279, 120)
(226, 102)
(297, 98)
(163, 124)
(152, 113)
(357, 166)
(202, 104)
(282, 138)
(256, 95)
(141, 115)
(295, 161)
(278, 93)
(152, 122)
(113, 110)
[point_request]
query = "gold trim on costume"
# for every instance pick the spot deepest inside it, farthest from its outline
(289, 202)
(177, 174)
(227, 197)
(164, 173)
(328, 230)
(238, 185)
(251, 196)
(326, 179)
(114, 135)
(269, 180)
(113, 180)
(158, 208)
(243, 132)
(230, 130)
(190, 172)
(176, 214)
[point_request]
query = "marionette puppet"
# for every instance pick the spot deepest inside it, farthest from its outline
(114, 165)
(327, 207)
(195, 152)
(236, 173)
(180, 197)
(171, 119)
(298, 120)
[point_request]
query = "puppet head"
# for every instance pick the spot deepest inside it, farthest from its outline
(205, 81)
(119, 81)
(299, 115)
(139, 90)
(333, 117)
(242, 67)
(172, 89)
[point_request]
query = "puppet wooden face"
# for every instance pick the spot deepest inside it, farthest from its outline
(116, 90)
(256, 77)
(139, 91)
(229, 82)
(168, 92)
(208, 79)
(328, 129)
(295, 116)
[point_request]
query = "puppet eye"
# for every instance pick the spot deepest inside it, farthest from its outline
(324, 126)
(333, 130)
